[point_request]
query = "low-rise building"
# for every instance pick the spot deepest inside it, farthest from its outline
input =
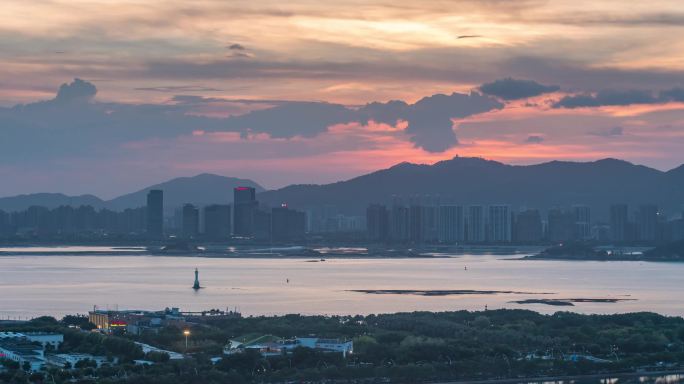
(23, 352)
(269, 345)
(71, 359)
(44, 338)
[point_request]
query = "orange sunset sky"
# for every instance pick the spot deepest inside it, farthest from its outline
(106, 97)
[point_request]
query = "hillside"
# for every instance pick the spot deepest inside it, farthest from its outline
(200, 190)
(477, 181)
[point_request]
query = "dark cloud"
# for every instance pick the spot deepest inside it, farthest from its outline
(179, 88)
(77, 91)
(607, 98)
(534, 139)
(514, 89)
(73, 124)
(237, 47)
(429, 120)
(240, 55)
(674, 94)
(306, 119)
(611, 132)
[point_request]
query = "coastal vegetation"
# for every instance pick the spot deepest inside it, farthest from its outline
(402, 348)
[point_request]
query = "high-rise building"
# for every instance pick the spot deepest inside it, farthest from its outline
(451, 224)
(261, 224)
(416, 223)
(245, 206)
(528, 228)
(217, 221)
(399, 223)
(155, 213)
(287, 224)
(430, 223)
(499, 224)
(190, 221)
(475, 224)
(647, 223)
(561, 225)
(377, 222)
(582, 215)
(619, 223)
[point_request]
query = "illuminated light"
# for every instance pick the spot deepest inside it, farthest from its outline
(242, 188)
(186, 332)
(283, 205)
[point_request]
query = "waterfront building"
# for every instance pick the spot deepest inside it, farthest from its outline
(399, 223)
(499, 224)
(528, 227)
(451, 224)
(582, 227)
(416, 223)
(245, 207)
(377, 222)
(287, 224)
(190, 221)
(475, 224)
(561, 225)
(155, 213)
(619, 223)
(647, 223)
(217, 222)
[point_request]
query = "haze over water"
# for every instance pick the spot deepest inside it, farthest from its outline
(62, 284)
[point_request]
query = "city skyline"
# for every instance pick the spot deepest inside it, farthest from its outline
(303, 93)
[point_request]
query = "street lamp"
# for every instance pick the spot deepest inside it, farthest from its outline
(186, 333)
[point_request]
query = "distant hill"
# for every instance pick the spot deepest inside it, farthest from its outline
(200, 190)
(49, 200)
(477, 181)
(463, 180)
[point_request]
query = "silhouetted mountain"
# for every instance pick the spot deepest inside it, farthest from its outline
(200, 190)
(49, 200)
(477, 181)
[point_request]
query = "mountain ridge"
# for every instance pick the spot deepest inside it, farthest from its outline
(466, 180)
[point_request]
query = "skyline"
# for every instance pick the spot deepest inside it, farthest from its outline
(302, 93)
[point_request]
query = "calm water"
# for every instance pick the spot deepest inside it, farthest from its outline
(58, 284)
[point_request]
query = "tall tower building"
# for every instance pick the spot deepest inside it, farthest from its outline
(287, 224)
(155, 213)
(475, 225)
(217, 221)
(499, 224)
(647, 225)
(190, 221)
(377, 222)
(528, 227)
(582, 216)
(619, 222)
(451, 226)
(245, 206)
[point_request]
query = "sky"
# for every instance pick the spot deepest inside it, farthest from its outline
(106, 97)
